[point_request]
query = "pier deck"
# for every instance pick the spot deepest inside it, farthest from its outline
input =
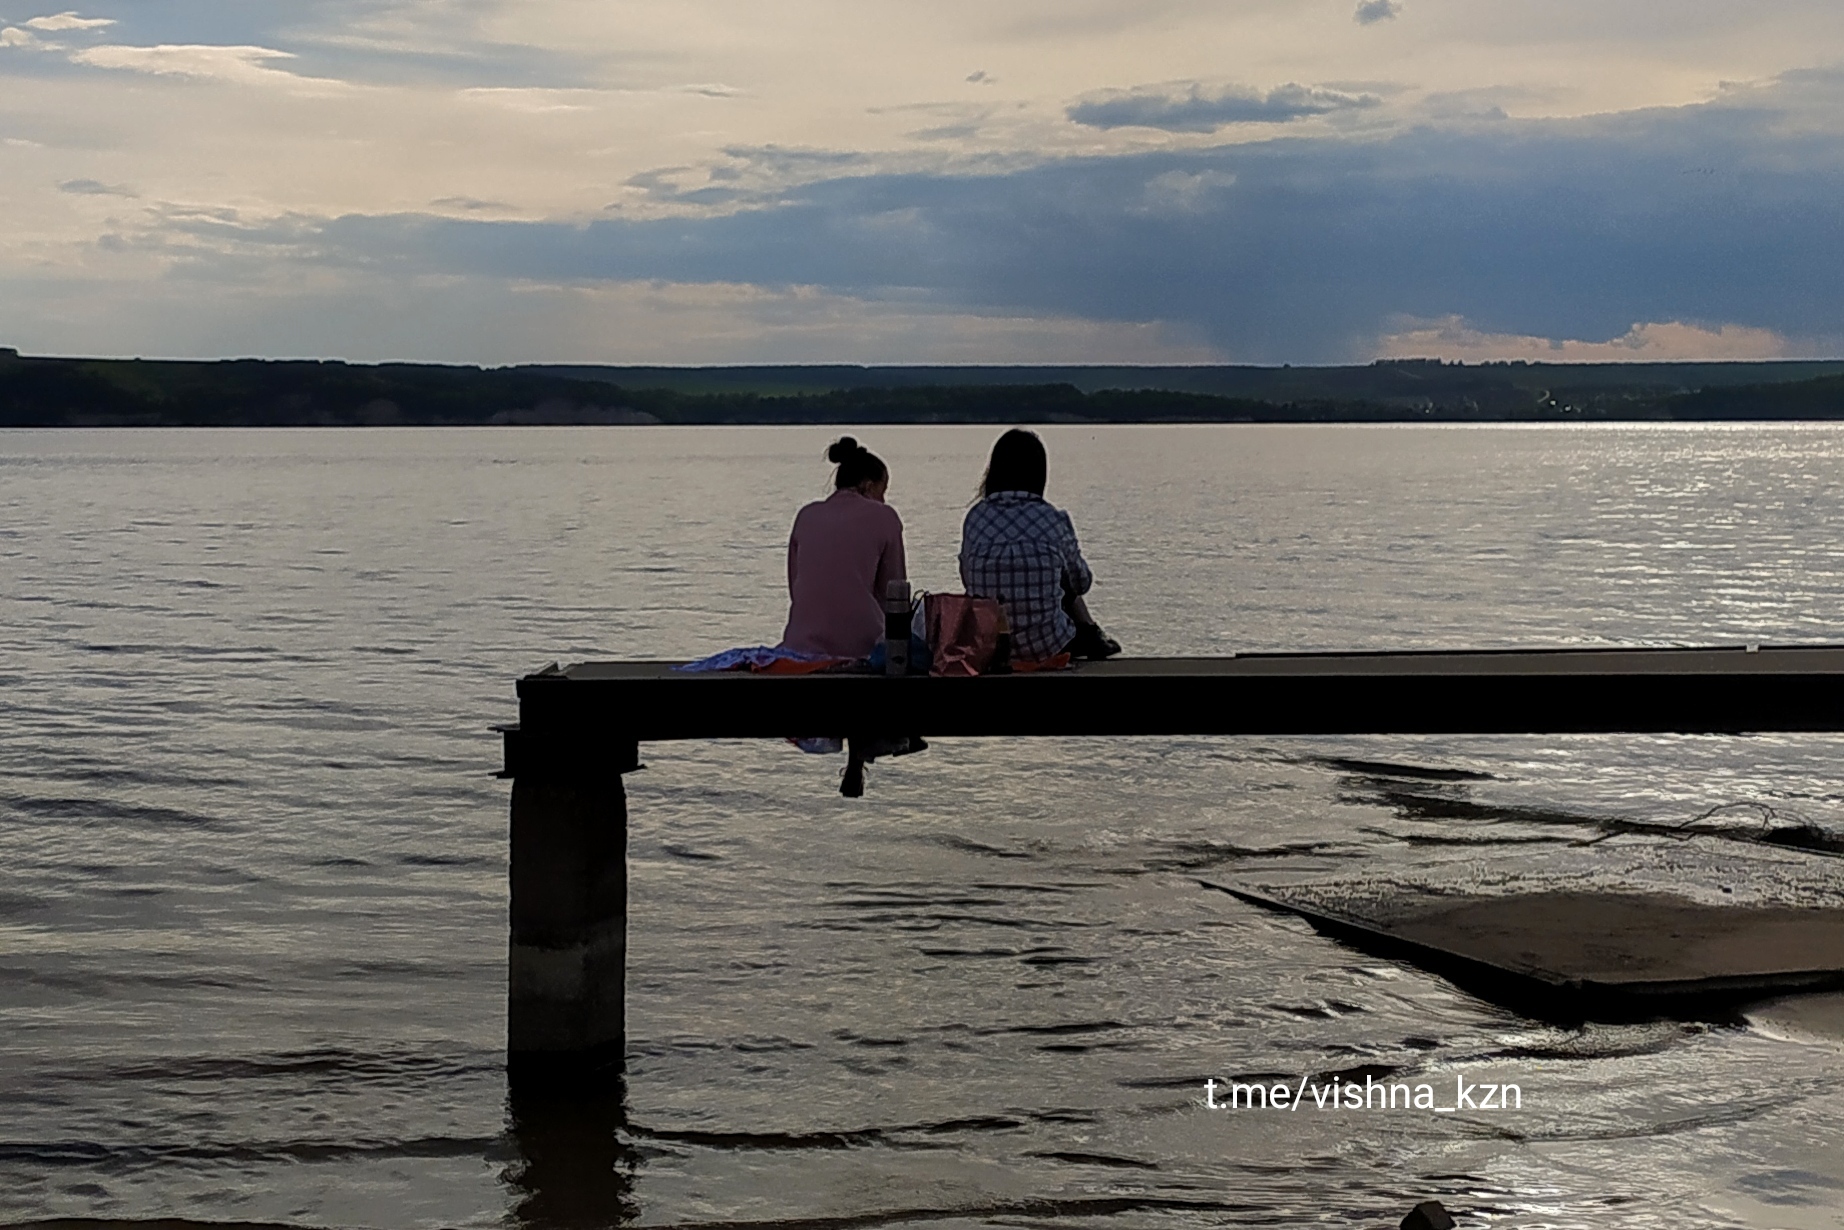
(1512, 692)
(580, 729)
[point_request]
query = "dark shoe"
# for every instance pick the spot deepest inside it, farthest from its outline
(1092, 643)
(861, 752)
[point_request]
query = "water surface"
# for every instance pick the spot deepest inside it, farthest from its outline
(252, 919)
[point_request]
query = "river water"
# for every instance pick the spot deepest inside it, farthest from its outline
(252, 906)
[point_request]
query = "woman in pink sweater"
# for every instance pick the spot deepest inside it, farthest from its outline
(844, 551)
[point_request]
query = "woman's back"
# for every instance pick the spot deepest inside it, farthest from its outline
(842, 555)
(1020, 549)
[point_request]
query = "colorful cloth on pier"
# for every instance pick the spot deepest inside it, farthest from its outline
(765, 660)
(1026, 666)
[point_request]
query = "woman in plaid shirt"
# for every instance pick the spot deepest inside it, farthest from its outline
(1020, 549)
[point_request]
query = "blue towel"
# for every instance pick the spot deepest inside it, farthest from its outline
(753, 657)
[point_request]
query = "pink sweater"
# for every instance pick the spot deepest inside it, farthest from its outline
(844, 550)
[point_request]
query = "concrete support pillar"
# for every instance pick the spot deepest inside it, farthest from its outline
(567, 993)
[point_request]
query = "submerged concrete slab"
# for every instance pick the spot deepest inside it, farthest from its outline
(1587, 955)
(1801, 1018)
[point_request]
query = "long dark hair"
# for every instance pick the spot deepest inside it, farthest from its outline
(1018, 464)
(857, 464)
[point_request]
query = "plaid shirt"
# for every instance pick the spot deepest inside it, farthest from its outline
(1020, 549)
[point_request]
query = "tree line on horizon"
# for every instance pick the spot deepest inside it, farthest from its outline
(52, 392)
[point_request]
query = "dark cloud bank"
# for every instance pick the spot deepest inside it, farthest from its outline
(1193, 108)
(1295, 249)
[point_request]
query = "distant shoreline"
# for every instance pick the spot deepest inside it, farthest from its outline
(75, 392)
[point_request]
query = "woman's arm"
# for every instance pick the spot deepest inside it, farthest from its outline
(891, 565)
(1077, 577)
(966, 531)
(976, 547)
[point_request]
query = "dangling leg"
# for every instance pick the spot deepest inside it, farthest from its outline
(851, 783)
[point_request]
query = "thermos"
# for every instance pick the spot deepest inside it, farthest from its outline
(1002, 650)
(896, 628)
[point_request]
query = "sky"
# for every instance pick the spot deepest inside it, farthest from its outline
(1000, 181)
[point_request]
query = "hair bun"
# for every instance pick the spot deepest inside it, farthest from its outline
(843, 451)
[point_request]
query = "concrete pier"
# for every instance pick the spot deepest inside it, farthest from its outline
(566, 996)
(580, 728)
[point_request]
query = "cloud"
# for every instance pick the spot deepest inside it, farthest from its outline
(1193, 107)
(69, 21)
(529, 100)
(1370, 12)
(1187, 192)
(13, 36)
(364, 316)
(240, 64)
(472, 204)
(1285, 250)
(1270, 240)
(1673, 341)
(92, 187)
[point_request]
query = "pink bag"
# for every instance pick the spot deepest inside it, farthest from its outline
(963, 633)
